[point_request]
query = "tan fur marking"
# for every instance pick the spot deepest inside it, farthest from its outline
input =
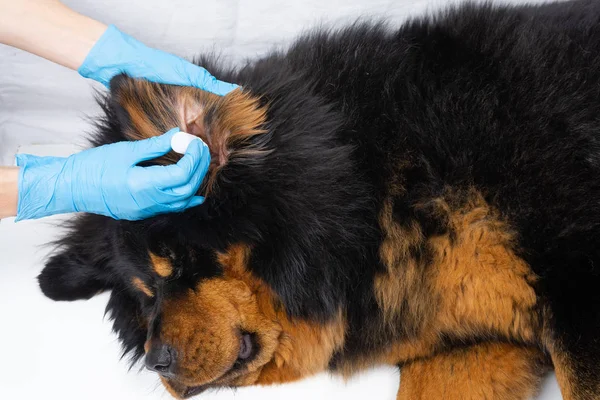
(479, 280)
(474, 284)
(487, 371)
(303, 348)
(141, 286)
(203, 325)
(402, 351)
(162, 266)
(403, 277)
(224, 123)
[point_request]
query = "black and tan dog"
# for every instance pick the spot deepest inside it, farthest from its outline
(426, 197)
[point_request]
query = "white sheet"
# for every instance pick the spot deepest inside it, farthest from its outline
(65, 350)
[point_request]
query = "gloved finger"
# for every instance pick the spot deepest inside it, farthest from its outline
(180, 193)
(213, 85)
(202, 79)
(191, 168)
(196, 201)
(185, 204)
(187, 190)
(219, 87)
(168, 196)
(196, 178)
(154, 147)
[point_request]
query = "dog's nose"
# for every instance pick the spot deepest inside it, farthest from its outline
(160, 359)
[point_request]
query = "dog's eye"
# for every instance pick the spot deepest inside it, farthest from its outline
(177, 273)
(246, 347)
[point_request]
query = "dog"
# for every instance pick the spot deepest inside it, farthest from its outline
(426, 197)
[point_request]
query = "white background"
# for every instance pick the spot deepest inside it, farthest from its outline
(66, 350)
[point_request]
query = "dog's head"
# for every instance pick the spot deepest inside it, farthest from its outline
(199, 318)
(248, 288)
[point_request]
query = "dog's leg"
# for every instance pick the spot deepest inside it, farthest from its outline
(577, 369)
(572, 316)
(493, 371)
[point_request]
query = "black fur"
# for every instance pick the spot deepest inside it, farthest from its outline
(504, 99)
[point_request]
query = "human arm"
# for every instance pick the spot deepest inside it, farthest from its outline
(51, 30)
(8, 191)
(107, 180)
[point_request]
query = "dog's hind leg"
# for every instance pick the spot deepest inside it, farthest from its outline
(576, 359)
(570, 284)
(576, 381)
(493, 371)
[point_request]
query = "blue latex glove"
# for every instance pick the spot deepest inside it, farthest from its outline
(106, 180)
(116, 52)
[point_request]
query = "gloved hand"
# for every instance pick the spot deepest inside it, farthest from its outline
(116, 52)
(106, 180)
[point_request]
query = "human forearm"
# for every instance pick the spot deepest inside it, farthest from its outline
(51, 30)
(9, 178)
(48, 29)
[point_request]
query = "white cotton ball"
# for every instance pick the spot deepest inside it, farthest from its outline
(181, 140)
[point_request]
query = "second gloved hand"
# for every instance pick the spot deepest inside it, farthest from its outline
(106, 180)
(115, 53)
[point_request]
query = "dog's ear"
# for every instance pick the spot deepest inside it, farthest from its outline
(81, 268)
(225, 123)
(68, 276)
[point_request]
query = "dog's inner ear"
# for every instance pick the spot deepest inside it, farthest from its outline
(224, 123)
